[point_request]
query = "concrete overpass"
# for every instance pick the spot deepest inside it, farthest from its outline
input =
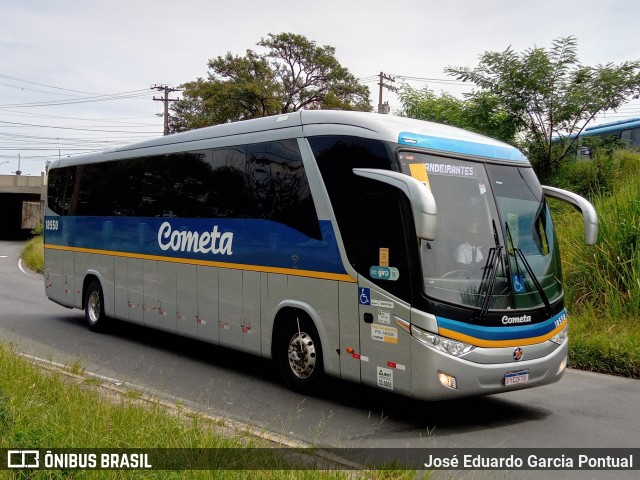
(21, 201)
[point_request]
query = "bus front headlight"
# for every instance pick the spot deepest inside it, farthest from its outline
(561, 336)
(442, 344)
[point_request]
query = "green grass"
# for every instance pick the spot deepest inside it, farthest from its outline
(39, 410)
(602, 282)
(33, 254)
(604, 343)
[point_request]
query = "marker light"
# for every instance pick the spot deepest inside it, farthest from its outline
(447, 380)
(442, 344)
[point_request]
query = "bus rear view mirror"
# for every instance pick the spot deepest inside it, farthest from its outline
(423, 205)
(589, 215)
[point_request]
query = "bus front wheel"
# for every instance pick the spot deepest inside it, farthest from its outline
(94, 307)
(300, 355)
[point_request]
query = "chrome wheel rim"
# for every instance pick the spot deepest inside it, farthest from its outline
(302, 355)
(93, 307)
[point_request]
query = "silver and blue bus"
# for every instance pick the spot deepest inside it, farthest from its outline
(626, 131)
(405, 255)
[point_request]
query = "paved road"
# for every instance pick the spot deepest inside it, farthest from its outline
(582, 410)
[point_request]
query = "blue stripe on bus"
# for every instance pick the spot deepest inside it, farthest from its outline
(238, 241)
(498, 152)
(512, 332)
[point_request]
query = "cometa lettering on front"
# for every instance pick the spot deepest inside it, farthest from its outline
(523, 319)
(192, 241)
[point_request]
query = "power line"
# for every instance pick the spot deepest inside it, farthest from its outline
(93, 99)
(123, 120)
(35, 90)
(17, 124)
(375, 78)
(23, 117)
(44, 85)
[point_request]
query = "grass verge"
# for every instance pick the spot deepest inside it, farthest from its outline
(33, 254)
(39, 410)
(604, 343)
(602, 282)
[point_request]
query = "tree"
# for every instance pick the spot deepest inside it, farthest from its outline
(549, 93)
(293, 73)
(481, 114)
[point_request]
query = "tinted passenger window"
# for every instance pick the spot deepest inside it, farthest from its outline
(186, 184)
(60, 188)
(230, 197)
(337, 157)
(371, 215)
(632, 137)
(278, 186)
(262, 181)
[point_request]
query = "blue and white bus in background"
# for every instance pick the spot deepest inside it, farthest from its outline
(627, 131)
(406, 255)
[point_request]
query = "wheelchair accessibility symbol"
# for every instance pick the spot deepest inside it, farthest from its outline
(518, 284)
(364, 296)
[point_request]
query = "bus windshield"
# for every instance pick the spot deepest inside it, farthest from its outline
(495, 245)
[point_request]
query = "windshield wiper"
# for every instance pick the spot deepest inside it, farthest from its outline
(518, 253)
(490, 271)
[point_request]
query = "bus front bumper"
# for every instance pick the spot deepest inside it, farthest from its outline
(448, 377)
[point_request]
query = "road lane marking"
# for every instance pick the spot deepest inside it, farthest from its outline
(20, 266)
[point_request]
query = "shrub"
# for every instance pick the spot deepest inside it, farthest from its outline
(607, 275)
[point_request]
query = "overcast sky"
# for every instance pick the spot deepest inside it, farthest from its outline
(120, 48)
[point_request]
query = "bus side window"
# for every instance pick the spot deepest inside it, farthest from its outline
(279, 188)
(370, 215)
(227, 191)
(186, 180)
(60, 189)
(631, 137)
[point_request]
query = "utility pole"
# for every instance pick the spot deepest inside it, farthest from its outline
(384, 108)
(165, 100)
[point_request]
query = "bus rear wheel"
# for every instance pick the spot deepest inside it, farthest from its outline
(94, 307)
(300, 355)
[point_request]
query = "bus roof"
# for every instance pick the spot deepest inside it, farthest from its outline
(602, 129)
(420, 133)
(401, 130)
(612, 126)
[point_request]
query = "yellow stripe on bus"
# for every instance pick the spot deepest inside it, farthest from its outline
(518, 342)
(237, 266)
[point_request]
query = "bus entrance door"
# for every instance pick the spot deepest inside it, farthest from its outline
(385, 351)
(381, 251)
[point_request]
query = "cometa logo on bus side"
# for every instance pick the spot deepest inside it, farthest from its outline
(193, 241)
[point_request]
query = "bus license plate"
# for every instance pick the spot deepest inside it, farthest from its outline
(515, 378)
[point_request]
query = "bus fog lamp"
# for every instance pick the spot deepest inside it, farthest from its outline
(563, 365)
(447, 380)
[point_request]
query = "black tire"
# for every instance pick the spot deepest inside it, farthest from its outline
(94, 307)
(299, 355)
